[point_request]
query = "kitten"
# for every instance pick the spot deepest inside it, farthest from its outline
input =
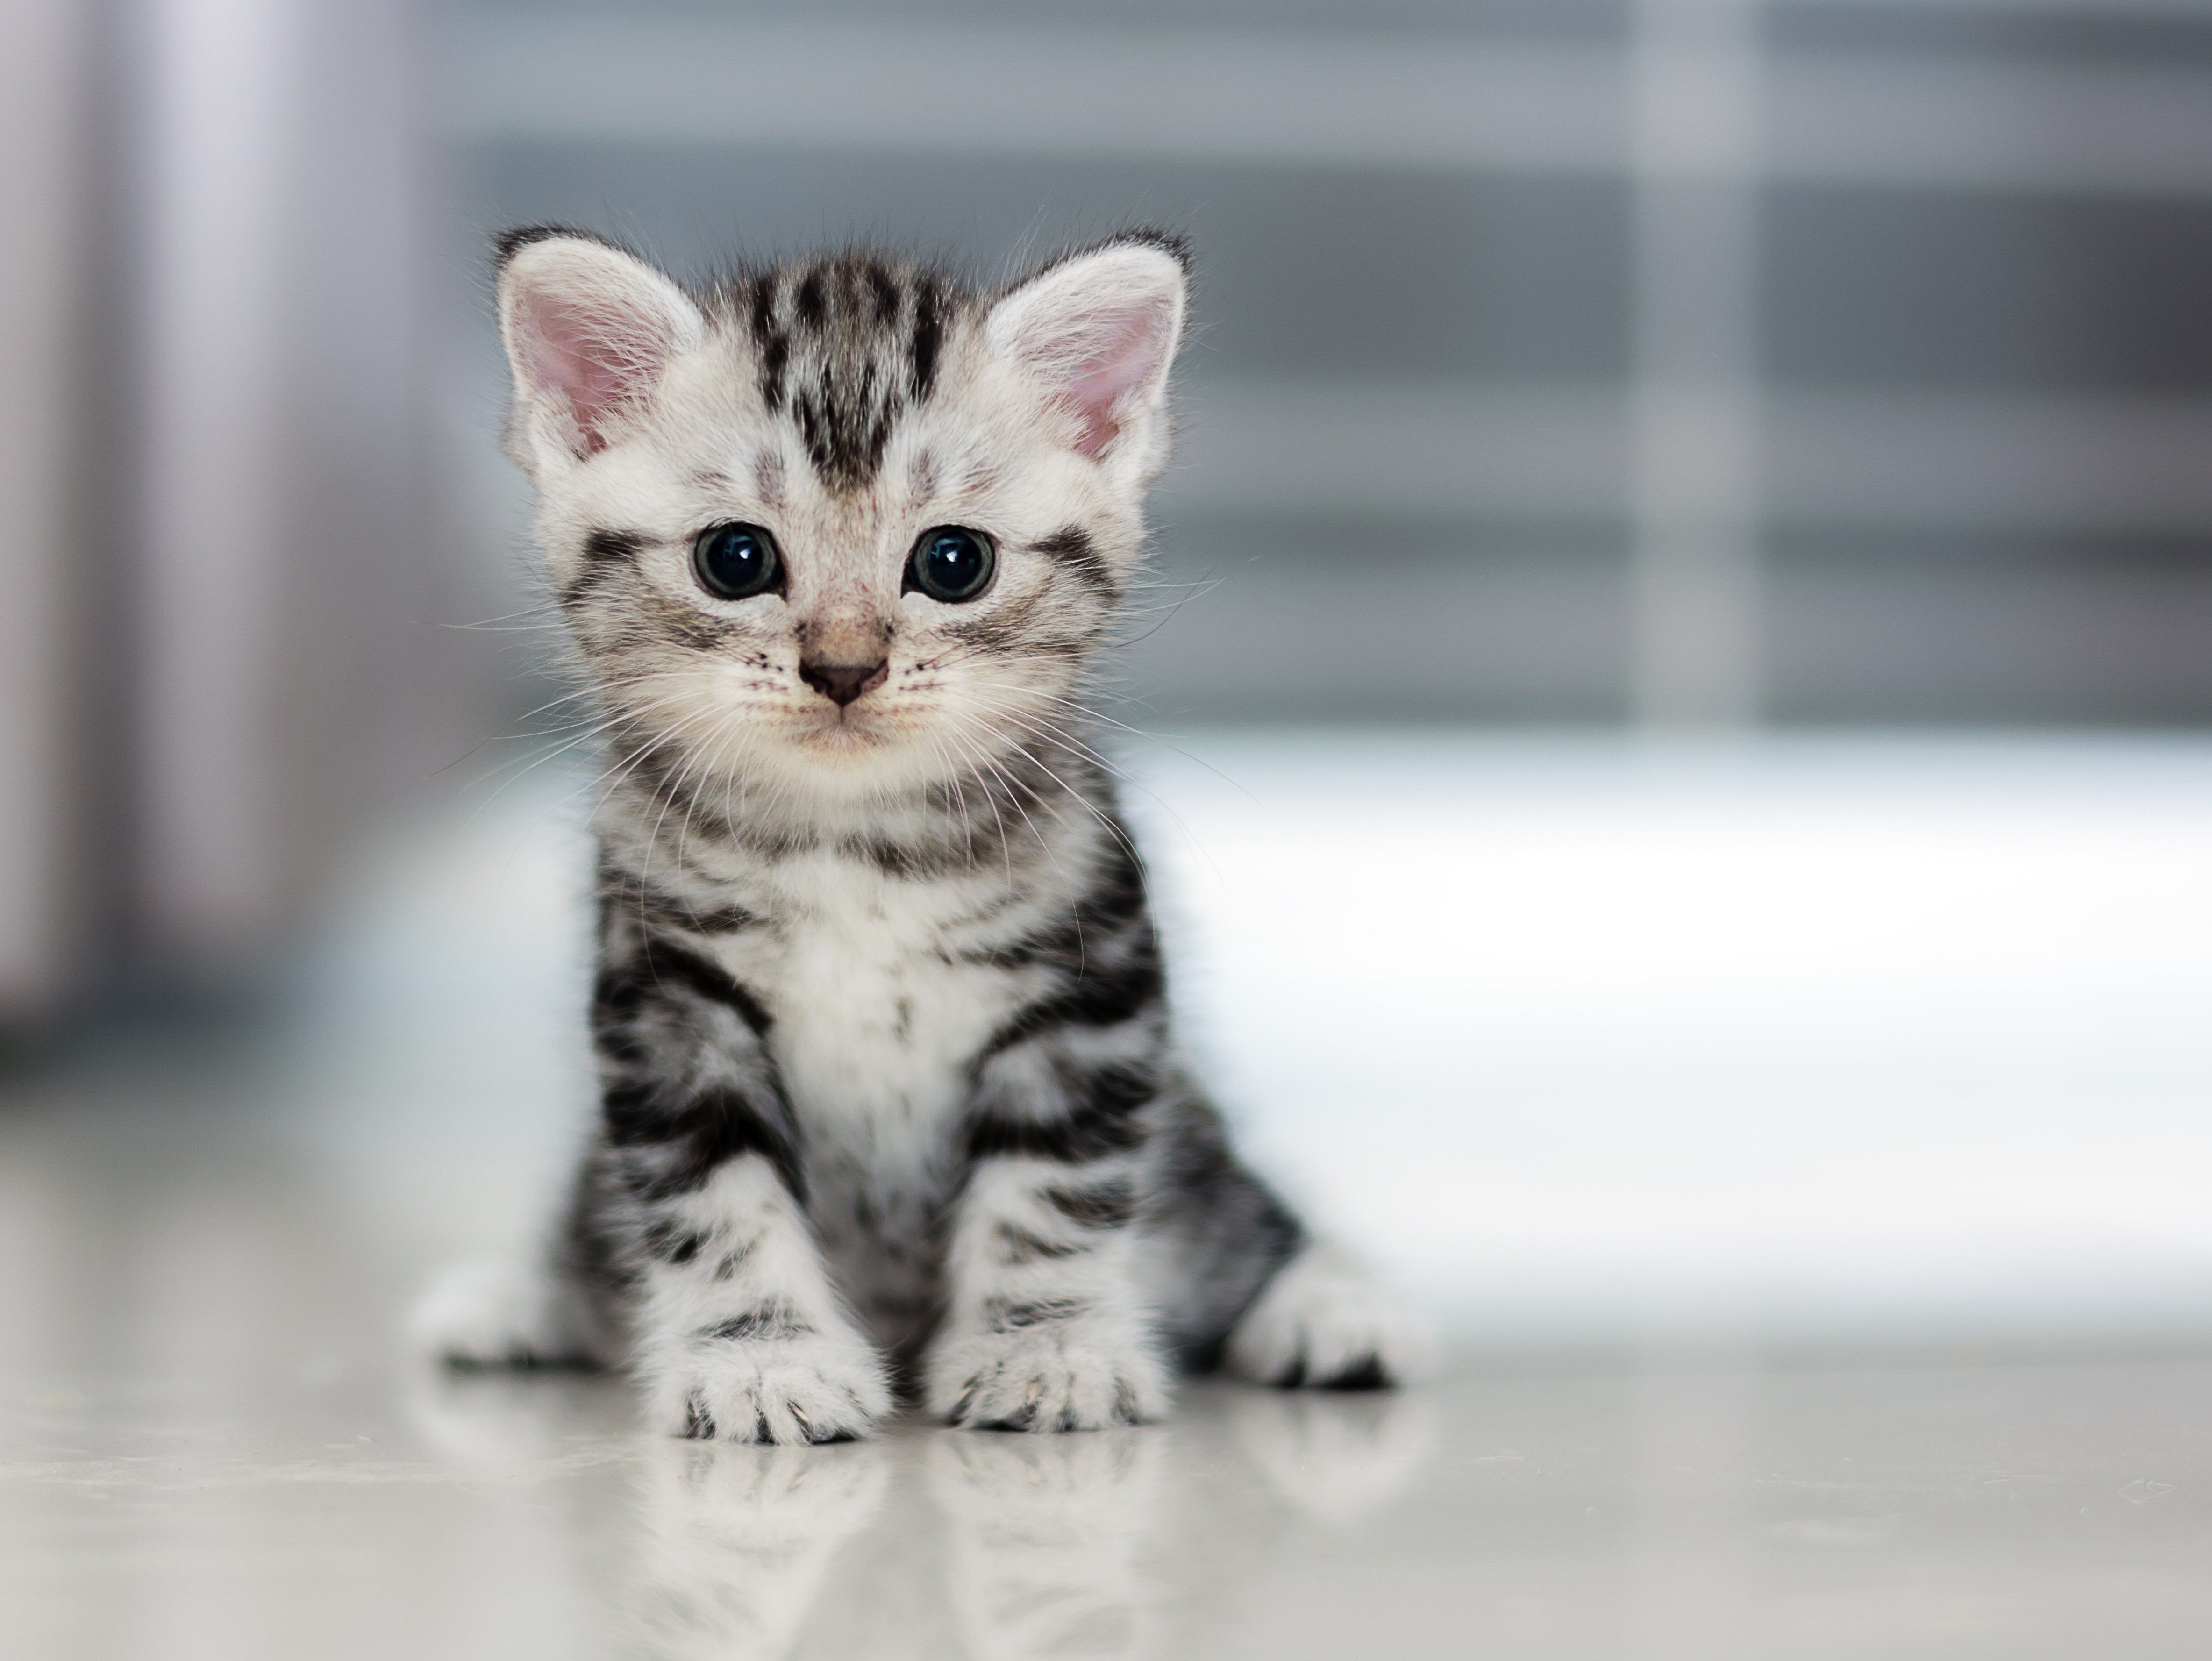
(887, 1079)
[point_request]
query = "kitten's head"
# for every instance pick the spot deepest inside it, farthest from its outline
(845, 528)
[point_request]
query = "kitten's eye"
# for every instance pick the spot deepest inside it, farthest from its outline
(951, 564)
(734, 561)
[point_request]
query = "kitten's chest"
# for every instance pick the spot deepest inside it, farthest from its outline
(874, 1022)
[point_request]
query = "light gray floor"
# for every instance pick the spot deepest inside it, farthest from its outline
(212, 1444)
(318, 1505)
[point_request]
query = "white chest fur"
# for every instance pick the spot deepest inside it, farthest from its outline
(874, 1028)
(875, 1023)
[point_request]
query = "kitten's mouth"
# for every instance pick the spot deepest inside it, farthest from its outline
(845, 732)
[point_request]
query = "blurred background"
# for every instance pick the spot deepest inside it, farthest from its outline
(1701, 508)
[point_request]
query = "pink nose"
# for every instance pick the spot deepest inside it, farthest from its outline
(841, 683)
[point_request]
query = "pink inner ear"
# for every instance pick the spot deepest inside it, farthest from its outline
(1125, 352)
(594, 359)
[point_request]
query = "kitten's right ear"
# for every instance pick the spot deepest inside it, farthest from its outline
(589, 330)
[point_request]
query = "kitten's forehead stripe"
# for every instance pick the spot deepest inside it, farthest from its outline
(775, 355)
(846, 346)
(887, 296)
(928, 335)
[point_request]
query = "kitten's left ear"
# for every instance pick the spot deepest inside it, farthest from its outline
(1099, 330)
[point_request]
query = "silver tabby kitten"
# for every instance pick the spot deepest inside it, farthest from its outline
(888, 1087)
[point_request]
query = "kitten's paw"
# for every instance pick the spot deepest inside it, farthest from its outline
(498, 1313)
(1325, 1323)
(1073, 1373)
(756, 1381)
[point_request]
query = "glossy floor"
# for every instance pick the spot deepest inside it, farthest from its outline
(319, 1506)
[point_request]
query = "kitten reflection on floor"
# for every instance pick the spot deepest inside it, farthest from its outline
(1046, 1536)
(995, 1547)
(737, 1540)
(1336, 1459)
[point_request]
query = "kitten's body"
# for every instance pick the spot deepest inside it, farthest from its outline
(884, 969)
(880, 1012)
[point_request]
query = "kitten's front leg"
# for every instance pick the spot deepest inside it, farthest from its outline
(692, 1208)
(740, 1334)
(1045, 1328)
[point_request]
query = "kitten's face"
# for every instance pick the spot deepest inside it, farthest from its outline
(844, 530)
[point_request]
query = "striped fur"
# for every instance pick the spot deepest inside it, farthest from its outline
(890, 1091)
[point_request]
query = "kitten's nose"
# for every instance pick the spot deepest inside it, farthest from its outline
(841, 683)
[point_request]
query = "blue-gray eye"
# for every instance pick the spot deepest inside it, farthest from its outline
(950, 563)
(735, 561)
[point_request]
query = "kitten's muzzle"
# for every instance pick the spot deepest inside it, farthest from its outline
(841, 683)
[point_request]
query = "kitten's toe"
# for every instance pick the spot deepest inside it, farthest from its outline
(812, 1387)
(1325, 1323)
(1064, 1375)
(498, 1313)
